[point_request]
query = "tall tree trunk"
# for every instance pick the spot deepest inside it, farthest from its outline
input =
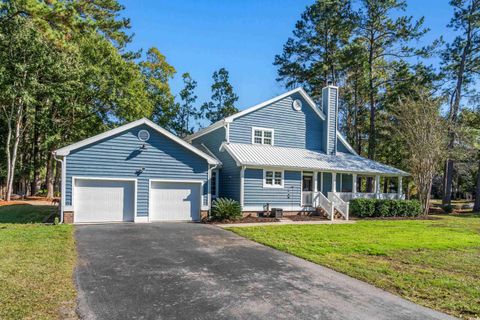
(12, 153)
(457, 94)
(476, 205)
(49, 177)
(36, 152)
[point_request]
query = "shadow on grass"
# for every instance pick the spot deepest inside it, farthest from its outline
(26, 213)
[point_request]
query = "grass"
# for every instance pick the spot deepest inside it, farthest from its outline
(36, 265)
(434, 263)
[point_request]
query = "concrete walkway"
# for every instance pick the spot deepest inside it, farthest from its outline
(197, 271)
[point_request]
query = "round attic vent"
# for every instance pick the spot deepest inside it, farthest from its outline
(143, 135)
(297, 105)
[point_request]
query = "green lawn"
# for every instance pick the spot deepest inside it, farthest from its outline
(435, 263)
(36, 265)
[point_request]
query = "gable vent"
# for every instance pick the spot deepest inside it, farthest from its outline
(143, 135)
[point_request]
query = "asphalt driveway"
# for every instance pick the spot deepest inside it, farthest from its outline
(195, 271)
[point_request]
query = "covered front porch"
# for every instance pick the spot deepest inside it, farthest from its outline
(332, 191)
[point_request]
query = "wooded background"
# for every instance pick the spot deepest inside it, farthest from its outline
(65, 74)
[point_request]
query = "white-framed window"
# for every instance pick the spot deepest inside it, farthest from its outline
(273, 178)
(262, 136)
(214, 184)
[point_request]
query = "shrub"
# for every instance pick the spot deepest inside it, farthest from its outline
(385, 208)
(362, 207)
(226, 209)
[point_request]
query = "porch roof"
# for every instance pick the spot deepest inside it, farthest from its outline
(255, 155)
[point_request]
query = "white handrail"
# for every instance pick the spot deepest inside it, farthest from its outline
(340, 205)
(325, 204)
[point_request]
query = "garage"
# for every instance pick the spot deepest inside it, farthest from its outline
(172, 200)
(101, 200)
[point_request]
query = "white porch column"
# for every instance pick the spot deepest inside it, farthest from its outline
(315, 181)
(242, 183)
(400, 189)
(334, 182)
(377, 185)
(354, 183)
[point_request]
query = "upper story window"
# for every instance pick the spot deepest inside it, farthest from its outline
(262, 136)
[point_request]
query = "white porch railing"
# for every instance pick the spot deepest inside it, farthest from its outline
(317, 199)
(339, 204)
(347, 196)
(307, 198)
(321, 201)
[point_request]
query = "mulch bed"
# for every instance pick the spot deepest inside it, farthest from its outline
(244, 220)
(305, 218)
(421, 217)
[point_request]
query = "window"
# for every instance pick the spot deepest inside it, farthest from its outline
(273, 179)
(214, 184)
(262, 136)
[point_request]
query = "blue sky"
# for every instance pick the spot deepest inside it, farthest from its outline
(243, 36)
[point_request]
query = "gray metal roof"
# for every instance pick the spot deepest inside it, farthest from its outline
(294, 158)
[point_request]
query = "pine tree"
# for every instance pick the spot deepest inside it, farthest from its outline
(187, 112)
(223, 98)
(311, 57)
(461, 65)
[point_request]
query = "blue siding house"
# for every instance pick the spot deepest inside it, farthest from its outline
(287, 153)
(283, 153)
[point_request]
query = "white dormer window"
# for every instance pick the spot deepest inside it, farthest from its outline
(262, 136)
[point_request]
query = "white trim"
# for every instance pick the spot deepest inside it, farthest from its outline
(263, 130)
(345, 143)
(354, 183)
(334, 182)
(66, 150)
(229, 119)
(209, 186)
(135, 191)
(227, 132)
(64, 189)
(400, 186)
(299, 90)
(217, 125)
(321, 182)
(200, 182)
(242, 186)
(273, 185)
(210, 153)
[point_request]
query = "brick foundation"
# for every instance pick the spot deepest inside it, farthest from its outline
(285, 213)
(68, 217)
(203, 214)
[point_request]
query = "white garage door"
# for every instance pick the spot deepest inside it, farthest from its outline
(174, 201)
(104, 200)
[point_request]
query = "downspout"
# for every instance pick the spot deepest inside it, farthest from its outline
(62, 191)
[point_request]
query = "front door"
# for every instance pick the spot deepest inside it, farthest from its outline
(307, 188)
(307, 183)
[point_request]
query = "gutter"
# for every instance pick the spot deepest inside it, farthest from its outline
(62, 188)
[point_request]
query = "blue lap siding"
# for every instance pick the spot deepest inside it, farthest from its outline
(229, 178)
(119, 156)
(293, 129)
(256, 196)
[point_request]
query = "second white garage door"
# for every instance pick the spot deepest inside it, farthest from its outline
(174, 201)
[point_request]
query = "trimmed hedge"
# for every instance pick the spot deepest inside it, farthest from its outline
(363, 208)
